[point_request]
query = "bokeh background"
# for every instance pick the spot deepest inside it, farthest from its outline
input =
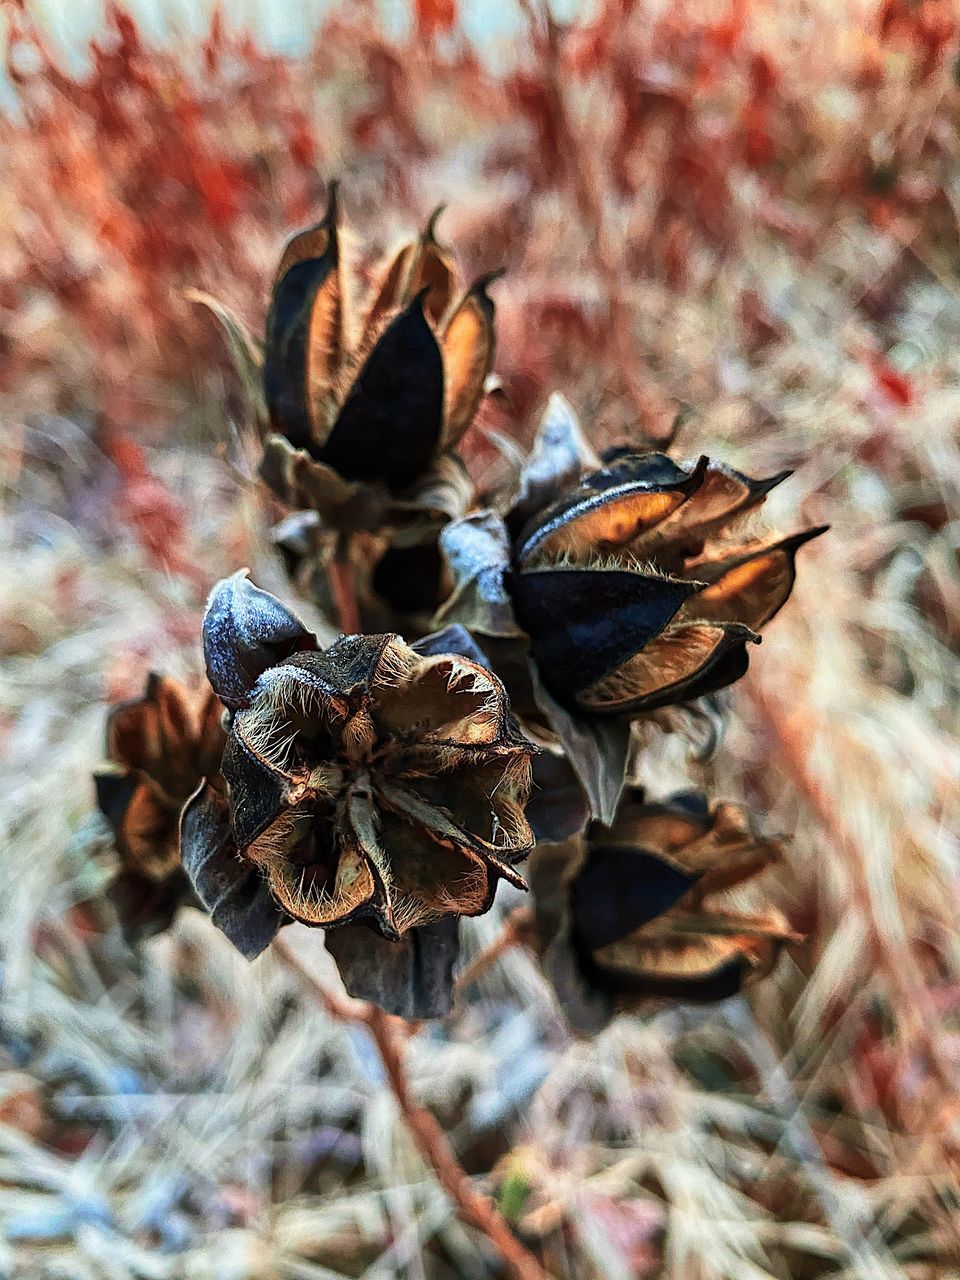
(744, 212)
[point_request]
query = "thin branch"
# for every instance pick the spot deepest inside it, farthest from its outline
(343, 589)
(515, 928)
(472, 1208)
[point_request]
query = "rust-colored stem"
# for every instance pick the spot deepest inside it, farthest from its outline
(515, 928)
(342, 587)
(472, 1208)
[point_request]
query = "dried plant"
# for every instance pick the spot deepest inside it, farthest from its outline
(164, 744)
(667, 902)
(727, 230)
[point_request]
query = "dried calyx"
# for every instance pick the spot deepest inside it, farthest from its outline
(362, 404)
(624, 582)
(161, 745)
(674, 900)
(370, 783)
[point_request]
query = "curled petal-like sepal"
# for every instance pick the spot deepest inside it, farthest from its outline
(560, 455)
(724, 495)
(245, 350)
(477, 549)
(751, 586)
(610, 509)
(172, 734)
(558, 806)
(586, 624)
(587, 1008)
(684, 662)
(433, 270)
(304, 341)
(468, 344)
(299, 480)
(144, 822)
(410, 978)
(598, 752)
(235, 894)
(245, 631)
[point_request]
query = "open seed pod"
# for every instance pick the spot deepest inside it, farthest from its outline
(627, 588)
(672, 901)
(363, 405)
(161, 745)
(370, 783)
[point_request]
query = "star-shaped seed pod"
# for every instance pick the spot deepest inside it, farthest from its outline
(362, 406)
(628, 586)
(673, 901)
(161, 745)
(371, 783)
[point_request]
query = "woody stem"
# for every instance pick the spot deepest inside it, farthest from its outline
(343, 587)
(472, 1208)
(516, 925)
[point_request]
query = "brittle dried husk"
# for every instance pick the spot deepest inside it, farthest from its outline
(625, 587)
(673, 901)
(161, 745)
(235, 894)
(361, 407)
(369, 784)
(410, 978)
(372, 783)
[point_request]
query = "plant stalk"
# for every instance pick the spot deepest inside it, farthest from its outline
(472, 1208)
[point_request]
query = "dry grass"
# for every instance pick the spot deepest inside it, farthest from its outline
(775, 251)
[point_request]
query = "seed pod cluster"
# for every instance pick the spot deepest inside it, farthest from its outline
(380, 787)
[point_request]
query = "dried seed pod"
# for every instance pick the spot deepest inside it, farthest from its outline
(163, 744)
(363, 410)
(626, 587)
(370, 783)
(671, 901)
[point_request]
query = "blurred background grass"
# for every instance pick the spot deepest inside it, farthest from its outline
(746, 213)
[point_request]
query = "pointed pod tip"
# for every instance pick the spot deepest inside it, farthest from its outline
(698, 474)
(482, 283)
(808, 535)
(771, 483)
(430, 230)
(332, 215)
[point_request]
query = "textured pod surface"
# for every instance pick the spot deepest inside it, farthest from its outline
(375, 398)
(673, 900)
(629, 579)
(412, 978)
(633, 590)
(239, 902)
(161, 745)
(371, 782)
(245, 631)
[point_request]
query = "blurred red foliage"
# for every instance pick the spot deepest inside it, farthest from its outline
(636, 147)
